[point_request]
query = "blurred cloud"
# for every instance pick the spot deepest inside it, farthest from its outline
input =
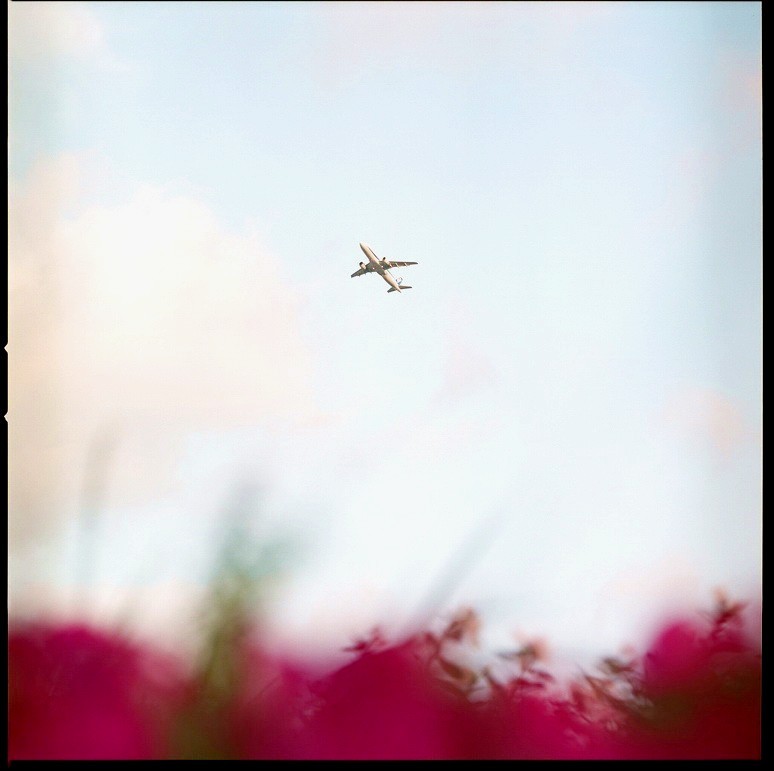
(42, 30)
(445, 36)
(709, 416)
(466, 367)
(671, 581)
(562, 166)
(166, 613)
(34, 357)
(147, 316)
(743, 96)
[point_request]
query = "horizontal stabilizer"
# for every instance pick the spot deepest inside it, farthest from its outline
(402, 288)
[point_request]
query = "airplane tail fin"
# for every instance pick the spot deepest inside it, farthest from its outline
(402, 288)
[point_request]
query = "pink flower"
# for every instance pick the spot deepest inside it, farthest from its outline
(75, 693)
(266, 714)
(703, 686)
(533, 726)
(384, 705)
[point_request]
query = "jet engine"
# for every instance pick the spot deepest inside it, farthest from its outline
(362, 266)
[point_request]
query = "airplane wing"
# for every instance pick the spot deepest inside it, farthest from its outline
(360, 272)
(396, 264)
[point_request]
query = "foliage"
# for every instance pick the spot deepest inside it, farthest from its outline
(77, 692)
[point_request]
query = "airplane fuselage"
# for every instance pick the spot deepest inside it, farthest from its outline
(377, 266)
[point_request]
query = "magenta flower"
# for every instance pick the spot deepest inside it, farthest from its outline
(384, 705)
(75, 693)
(703, 687)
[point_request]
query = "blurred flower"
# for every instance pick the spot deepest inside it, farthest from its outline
(384, 705)
(702, 683)
(266, 713)
(528, 654)
(464, 625)
(518, 724)
(76, 693)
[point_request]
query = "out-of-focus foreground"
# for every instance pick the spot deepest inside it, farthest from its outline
(81, 692)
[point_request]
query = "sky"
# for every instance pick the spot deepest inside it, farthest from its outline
(560, 423)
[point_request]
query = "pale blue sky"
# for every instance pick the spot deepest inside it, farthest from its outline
(580, 184)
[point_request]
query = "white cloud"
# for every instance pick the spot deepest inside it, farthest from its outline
(743, 97)
(457, 37)
(42, 30)
(168, 614)
(467, 369)
(148, 318)
(708, 416)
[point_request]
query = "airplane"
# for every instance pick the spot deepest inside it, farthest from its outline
(382, 268)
